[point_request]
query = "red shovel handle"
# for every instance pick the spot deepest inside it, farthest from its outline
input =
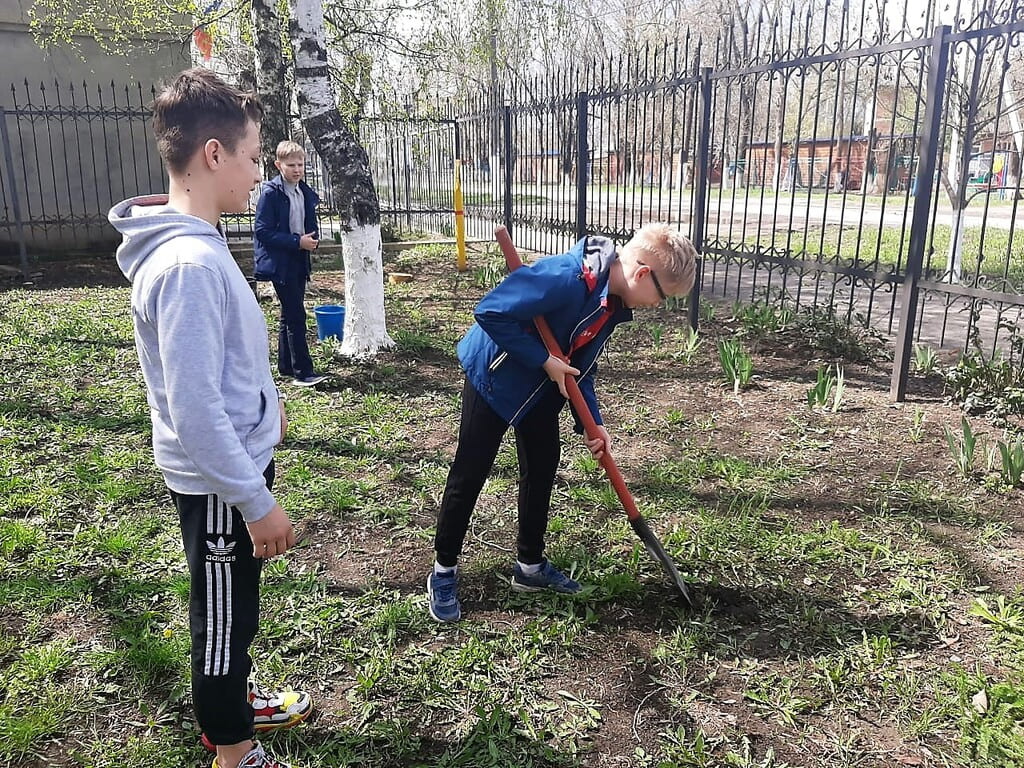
(575, 396)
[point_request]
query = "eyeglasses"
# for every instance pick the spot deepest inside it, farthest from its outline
(657, 284)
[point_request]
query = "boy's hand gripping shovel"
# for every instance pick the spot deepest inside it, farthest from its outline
(590, 427)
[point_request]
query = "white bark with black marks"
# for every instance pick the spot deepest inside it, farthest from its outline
(348, 171)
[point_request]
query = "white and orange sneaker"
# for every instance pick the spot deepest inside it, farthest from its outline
(273, 710)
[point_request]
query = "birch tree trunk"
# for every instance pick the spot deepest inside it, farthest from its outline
(270, 80)
(246, 80)
(348, 171)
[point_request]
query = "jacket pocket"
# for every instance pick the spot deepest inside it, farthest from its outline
(266, 432)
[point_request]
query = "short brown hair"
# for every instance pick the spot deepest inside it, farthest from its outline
(288, 149)
(198, 106)
(674, 253)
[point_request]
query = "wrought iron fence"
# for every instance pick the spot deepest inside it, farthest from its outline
(411, 159)
(874, 173)
(69, 153)
(817, 160)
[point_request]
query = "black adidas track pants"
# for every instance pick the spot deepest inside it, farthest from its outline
(224, 611)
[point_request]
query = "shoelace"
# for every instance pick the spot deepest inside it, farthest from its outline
(259, 691)
(553, 575)
(258, 758)
(445, 591)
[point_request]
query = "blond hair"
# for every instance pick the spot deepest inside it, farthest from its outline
(674, 253)
(288, 149)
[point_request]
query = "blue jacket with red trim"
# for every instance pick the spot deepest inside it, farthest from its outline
(502, 353)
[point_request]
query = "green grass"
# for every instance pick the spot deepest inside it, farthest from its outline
(831, 593)
(871, 248)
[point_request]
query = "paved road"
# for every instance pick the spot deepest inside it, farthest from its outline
(739, 205)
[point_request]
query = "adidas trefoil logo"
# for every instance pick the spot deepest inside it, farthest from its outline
(220, 551)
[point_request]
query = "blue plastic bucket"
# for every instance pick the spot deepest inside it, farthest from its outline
(330, 321)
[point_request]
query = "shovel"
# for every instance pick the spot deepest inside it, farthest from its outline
(636, 520)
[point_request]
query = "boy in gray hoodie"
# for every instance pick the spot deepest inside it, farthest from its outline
(202, 344)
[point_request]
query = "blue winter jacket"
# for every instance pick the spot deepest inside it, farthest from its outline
(274, 244)
(502, 353)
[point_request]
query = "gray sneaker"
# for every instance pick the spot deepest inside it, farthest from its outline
(309, 381)
(256, 758)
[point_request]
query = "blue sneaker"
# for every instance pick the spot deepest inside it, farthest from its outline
(443, 596)
(548, 577)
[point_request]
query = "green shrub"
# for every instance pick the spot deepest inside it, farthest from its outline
(759, 319)
(817, 396)
(986, 386)
(488, 275)
(827, 384)
(691, 346)
(832, 337)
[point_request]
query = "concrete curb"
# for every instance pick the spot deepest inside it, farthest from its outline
(243, 248)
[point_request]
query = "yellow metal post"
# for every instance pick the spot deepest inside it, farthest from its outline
(460, 220)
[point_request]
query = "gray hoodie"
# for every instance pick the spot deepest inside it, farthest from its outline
(202, 343)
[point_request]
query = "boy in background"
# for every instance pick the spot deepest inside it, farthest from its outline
(217, 415)
(511, 380)
(286, 232)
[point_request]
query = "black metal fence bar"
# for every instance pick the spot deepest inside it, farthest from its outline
(10, 193)
(586, 163)
(76, 151)
(938, 61)
(699, 208)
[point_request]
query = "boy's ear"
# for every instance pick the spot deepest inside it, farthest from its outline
(277, 164)
(213, 153)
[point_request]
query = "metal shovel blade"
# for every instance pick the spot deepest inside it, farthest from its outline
(658, 552)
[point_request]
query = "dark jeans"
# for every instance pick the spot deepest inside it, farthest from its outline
(538, 449)
(223, 612)
(292, 348)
